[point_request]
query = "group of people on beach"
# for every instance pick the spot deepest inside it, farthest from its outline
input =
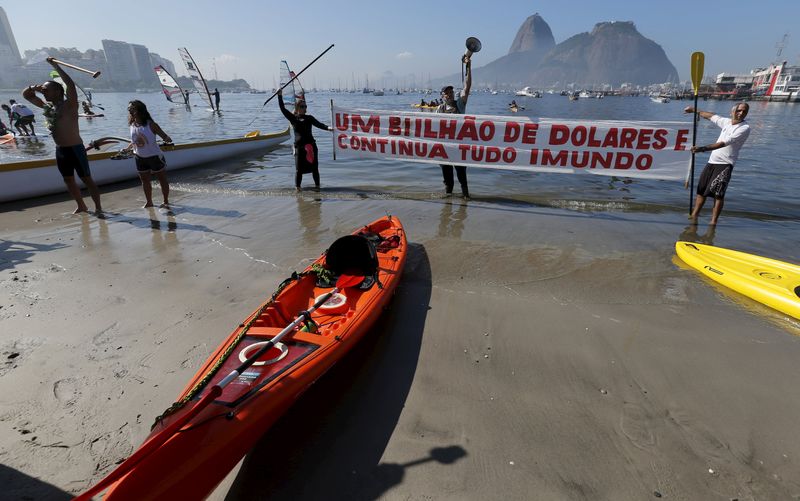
(60, 105)
(61, 111)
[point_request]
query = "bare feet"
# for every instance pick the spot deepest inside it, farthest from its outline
(147, 205)
(165, 205)
(298, 189)
(81, 209)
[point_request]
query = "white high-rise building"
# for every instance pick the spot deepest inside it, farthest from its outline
(164, 62)
(9, 53)
(143, 62)
(120, 61)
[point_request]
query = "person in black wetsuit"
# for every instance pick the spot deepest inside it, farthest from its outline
(305, 148)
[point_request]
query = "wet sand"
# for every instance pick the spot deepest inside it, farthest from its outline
(530, 352)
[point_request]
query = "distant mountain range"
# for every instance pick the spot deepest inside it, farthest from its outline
(612, 53)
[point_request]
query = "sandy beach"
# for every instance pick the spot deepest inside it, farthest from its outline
(530, 352)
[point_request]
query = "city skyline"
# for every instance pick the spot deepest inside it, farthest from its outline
(422, 47)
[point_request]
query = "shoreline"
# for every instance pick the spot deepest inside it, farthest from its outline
(529, 351)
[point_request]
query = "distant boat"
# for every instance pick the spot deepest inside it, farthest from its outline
(659, 99)
(528, 92)
(377, 93)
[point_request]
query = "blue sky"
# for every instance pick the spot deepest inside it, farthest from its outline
(420, 38)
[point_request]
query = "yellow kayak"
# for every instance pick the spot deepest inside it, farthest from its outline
(768, 281)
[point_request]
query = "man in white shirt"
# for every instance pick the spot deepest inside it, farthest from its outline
(23, 119)
(717, 173)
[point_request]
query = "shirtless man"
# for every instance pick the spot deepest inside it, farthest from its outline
(62, 119)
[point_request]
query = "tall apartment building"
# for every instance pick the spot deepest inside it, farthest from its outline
(121, 62)
(9, 53)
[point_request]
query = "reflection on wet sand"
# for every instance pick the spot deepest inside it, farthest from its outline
(689, 234)
(451, 219)
(86, 230)
(160, 237)
(310, 215)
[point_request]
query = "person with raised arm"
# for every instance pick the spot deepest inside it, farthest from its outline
(452, 105)
(305, 147)
(61, 114)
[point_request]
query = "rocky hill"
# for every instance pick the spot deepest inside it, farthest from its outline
(612, 53)
(533, 41)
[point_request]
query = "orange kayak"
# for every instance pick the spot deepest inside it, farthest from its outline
(192, 461)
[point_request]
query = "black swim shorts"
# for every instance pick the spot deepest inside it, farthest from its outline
(152, 164)
(26, 120)
(714, 180)
(72, 160)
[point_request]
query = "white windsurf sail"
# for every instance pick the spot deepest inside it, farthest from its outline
(294, 90)
(197, 77)
(172, 91)
(87, 95)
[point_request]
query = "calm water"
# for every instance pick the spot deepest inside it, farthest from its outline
(764, 185)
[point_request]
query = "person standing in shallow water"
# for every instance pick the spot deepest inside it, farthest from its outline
(61, 113)
(149, 159)
(452, 105)
(216, 98)
(719, 169)
(305, 147)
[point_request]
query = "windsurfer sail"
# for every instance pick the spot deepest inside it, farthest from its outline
(294, 90)
(197, 77)
(87, 95)
(172, 90)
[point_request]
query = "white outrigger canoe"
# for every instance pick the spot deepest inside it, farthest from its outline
(35, 178)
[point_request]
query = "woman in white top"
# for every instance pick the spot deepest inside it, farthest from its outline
(149, 159)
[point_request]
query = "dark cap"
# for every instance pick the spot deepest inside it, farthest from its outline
(446, 88)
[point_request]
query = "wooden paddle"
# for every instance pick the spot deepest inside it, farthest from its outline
(94, 74)
(698, 61)
(215, 391)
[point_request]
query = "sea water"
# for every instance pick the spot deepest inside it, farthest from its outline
(764, 184)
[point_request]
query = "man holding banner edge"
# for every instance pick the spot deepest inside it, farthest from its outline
(725, 151)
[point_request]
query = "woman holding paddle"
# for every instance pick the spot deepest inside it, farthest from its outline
(305, 147)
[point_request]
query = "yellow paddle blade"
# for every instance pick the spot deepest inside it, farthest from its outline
(698, 61)
(253, 134)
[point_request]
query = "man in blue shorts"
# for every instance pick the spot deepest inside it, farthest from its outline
(61, 112)
(717, 173)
